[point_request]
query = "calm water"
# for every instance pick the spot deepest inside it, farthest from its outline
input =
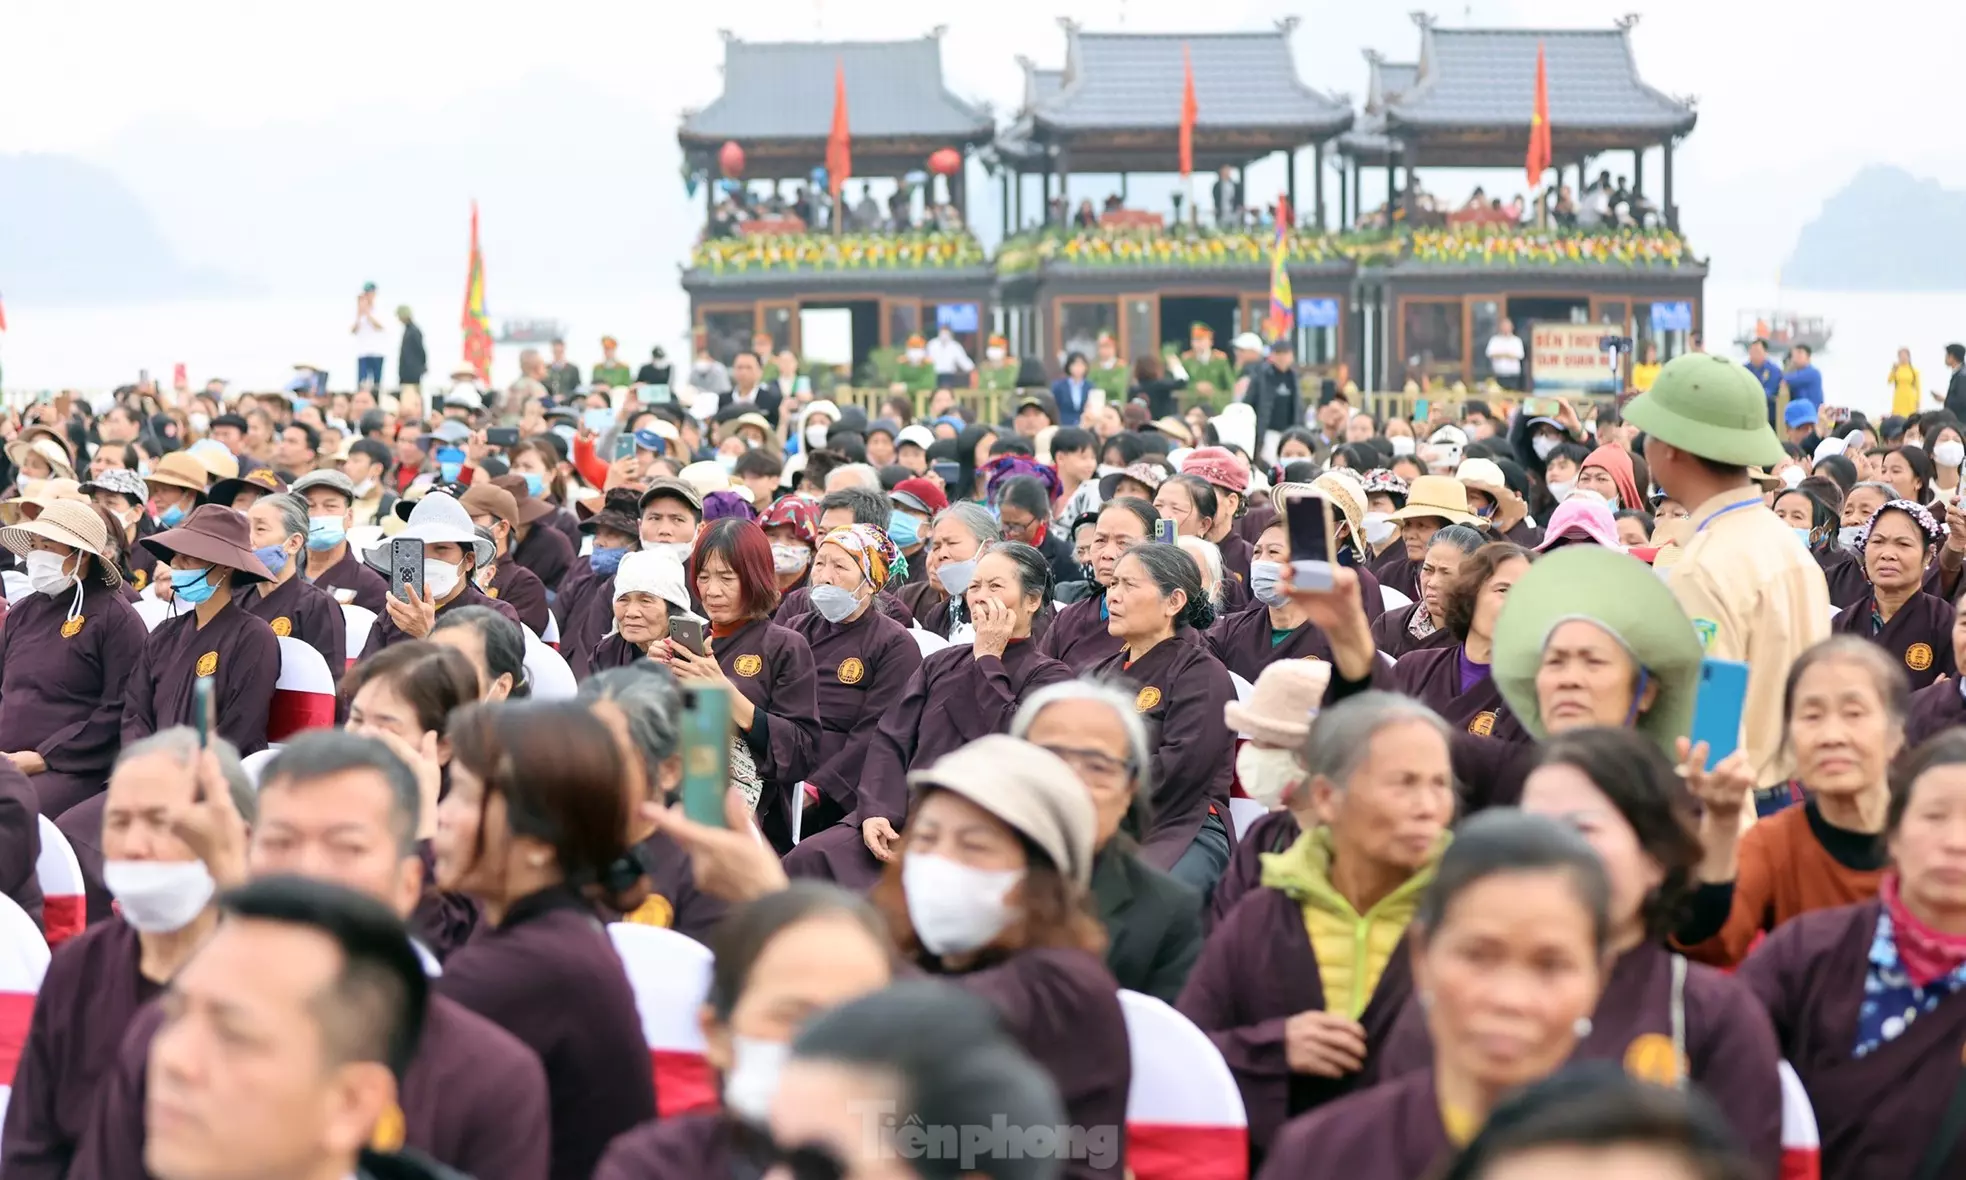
(255, 343)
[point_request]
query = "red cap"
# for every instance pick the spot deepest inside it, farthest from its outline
(1219, 466)
(924, 492)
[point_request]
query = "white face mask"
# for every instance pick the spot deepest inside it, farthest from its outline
(789, 559)
(1560, 491)
(439, 578)
(956, 576)
(955, 908)
(1950, 453)
(816, 435)
(45, 573)
(158, 896)
(201, 423)
(1264, 772)
(833, 603)
(1402, 445)
(364, 488)
(1847, 535)
(676, 549)
(1544, 444)
(753, 1078)
(1379, 528)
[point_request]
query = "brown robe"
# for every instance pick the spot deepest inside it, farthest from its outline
(236, 648)
(1432, 676)
(61, 693)
(772, 666)
(519, 588)
(1919, 636)
(370, 588)
(863, 668)
(1181, 689)
(1388, 1132)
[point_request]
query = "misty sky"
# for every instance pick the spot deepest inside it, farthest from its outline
(1792, 100)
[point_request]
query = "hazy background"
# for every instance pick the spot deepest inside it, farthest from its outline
(246, 166)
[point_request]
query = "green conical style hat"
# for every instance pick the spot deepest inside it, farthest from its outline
(1712, 407)
(1623, 596)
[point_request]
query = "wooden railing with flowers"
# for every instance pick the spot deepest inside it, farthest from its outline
(1471, 245)
(799, 253)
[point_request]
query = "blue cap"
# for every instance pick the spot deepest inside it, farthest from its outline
(649, 440)
(1799, 413)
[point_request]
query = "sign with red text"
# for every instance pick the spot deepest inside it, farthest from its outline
(1571, 358)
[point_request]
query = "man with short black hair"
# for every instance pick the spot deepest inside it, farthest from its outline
(297, 448)
(562, 376)
(1274, 395)
(761, 471)
(1075, 455)
(1955, 399)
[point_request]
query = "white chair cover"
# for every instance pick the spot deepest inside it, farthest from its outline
(547, 672)
(304, 696)
(1184, 1114)
(357, 621)
(1245, 812)
(1393, 599)
(63, 906)
(670, 973)
(928, 641)
(23, 962)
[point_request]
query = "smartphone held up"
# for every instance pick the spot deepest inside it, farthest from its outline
(1307, 517)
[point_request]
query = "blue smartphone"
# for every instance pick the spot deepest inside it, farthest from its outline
(1717, 707)
(1164, 531)
(597, 421)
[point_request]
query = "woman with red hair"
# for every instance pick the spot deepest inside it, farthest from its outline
(775, 705)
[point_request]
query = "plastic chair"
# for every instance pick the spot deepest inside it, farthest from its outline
(1802, 1147)
(153, 611)
(304, 696)
(24, 958)
(17, 586)
(547, 672)
(1243, 687)
(63, 905)
(1393, 599)
(255, 762)
(357, 621)
(1184, 1115)
(928, 641)
(670, 973)
(552, 636)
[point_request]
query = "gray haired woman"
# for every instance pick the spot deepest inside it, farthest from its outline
(955, 542)
(293, 606)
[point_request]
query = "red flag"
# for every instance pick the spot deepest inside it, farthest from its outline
(3, 315)
(839, 142)
(477, 325)
(1539, 123)
(1188, 113)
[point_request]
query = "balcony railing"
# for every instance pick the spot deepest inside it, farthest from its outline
(821, 252)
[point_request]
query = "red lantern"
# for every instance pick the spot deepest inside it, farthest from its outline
(945, 162)
(730, 158)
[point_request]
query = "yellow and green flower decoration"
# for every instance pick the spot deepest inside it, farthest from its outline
(794, 253)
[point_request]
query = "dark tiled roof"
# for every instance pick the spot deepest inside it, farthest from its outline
(784, 90)
(1130, 80)
(1487, 77)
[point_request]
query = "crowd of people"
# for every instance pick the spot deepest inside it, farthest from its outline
(1025, 715)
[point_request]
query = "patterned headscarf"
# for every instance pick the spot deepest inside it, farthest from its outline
(1005, 467)
(1934, 531)
(794, 512)
(870, 549)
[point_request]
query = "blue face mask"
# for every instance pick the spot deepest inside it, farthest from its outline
(606, 561)
(324, 533)
(192, 585)
(1266, 582)
(172, 517)
(1804, 535)
(273, 557)
(535, 484)
(449, 472)
(904, 530)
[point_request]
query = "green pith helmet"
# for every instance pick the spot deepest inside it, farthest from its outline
(1622, 596)
(1711, 407)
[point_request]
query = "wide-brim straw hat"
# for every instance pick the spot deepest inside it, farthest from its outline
(179, 469)
(36, 495)
(1440, 496)
(47, 450)
(66, 522)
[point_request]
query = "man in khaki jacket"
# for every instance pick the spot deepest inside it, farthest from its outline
(1753, 591)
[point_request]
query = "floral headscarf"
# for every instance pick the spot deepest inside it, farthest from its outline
(796, 513)
(1934, 531)
(1382, 479)
(871, 550)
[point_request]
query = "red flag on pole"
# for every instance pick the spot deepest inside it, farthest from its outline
(3, 315)
(839, 142)
(477, 325)
(1539, 123)
(1188, 113)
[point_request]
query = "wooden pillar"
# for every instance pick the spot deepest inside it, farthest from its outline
(1317, 183)
(1358, 194)
(1672, 210)
(1392, 186)
(1638, 170)
(959, 191)
(1065, 183)
(1290, 179)
(710, 181)
(1003, 197)
(1017, 187)
(1122, 188)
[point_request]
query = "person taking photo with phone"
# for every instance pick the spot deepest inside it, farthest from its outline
(452, 551)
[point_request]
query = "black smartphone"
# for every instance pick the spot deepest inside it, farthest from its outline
(624, 446)
(405, 566)
(947, 472)
(687, 631)
(1308, 516)
(502, 436)
(706, 753)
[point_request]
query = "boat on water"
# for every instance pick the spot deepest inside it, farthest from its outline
(1783, 330)
(531, 331)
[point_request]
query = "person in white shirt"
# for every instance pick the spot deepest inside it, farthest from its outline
(1505, 355)
(371, 340)
(950, 359)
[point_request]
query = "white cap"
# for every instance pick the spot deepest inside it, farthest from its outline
(651, 571)
(1828, 447)
(921, 436)
(1248, 342)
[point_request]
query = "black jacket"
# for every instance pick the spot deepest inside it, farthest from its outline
(767, 397)
(1956, 394)
(1153, 923)
(1273, 395)
(410, 362)
(1059, 552)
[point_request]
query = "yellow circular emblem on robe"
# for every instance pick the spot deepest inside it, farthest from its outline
(656, 911)
(491, 592)
(1148, 698)
(283, 626)
(72, 627)
(1483, 723)
(1918, 657)
(748, 665)
(852, 670)
(1652, 1058)
(390, 1130)
(139, 579)
(208, 663)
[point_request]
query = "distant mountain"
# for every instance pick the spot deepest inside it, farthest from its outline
(579, 192)
(71, 233)
(1887, 230)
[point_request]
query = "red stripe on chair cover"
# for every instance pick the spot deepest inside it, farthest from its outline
(1801, 1141)
(1801, 1164)
(63, 912)
(63, 918)
(304, 696)
(1189, 1153)
(684, 1082)
(16, 1012)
